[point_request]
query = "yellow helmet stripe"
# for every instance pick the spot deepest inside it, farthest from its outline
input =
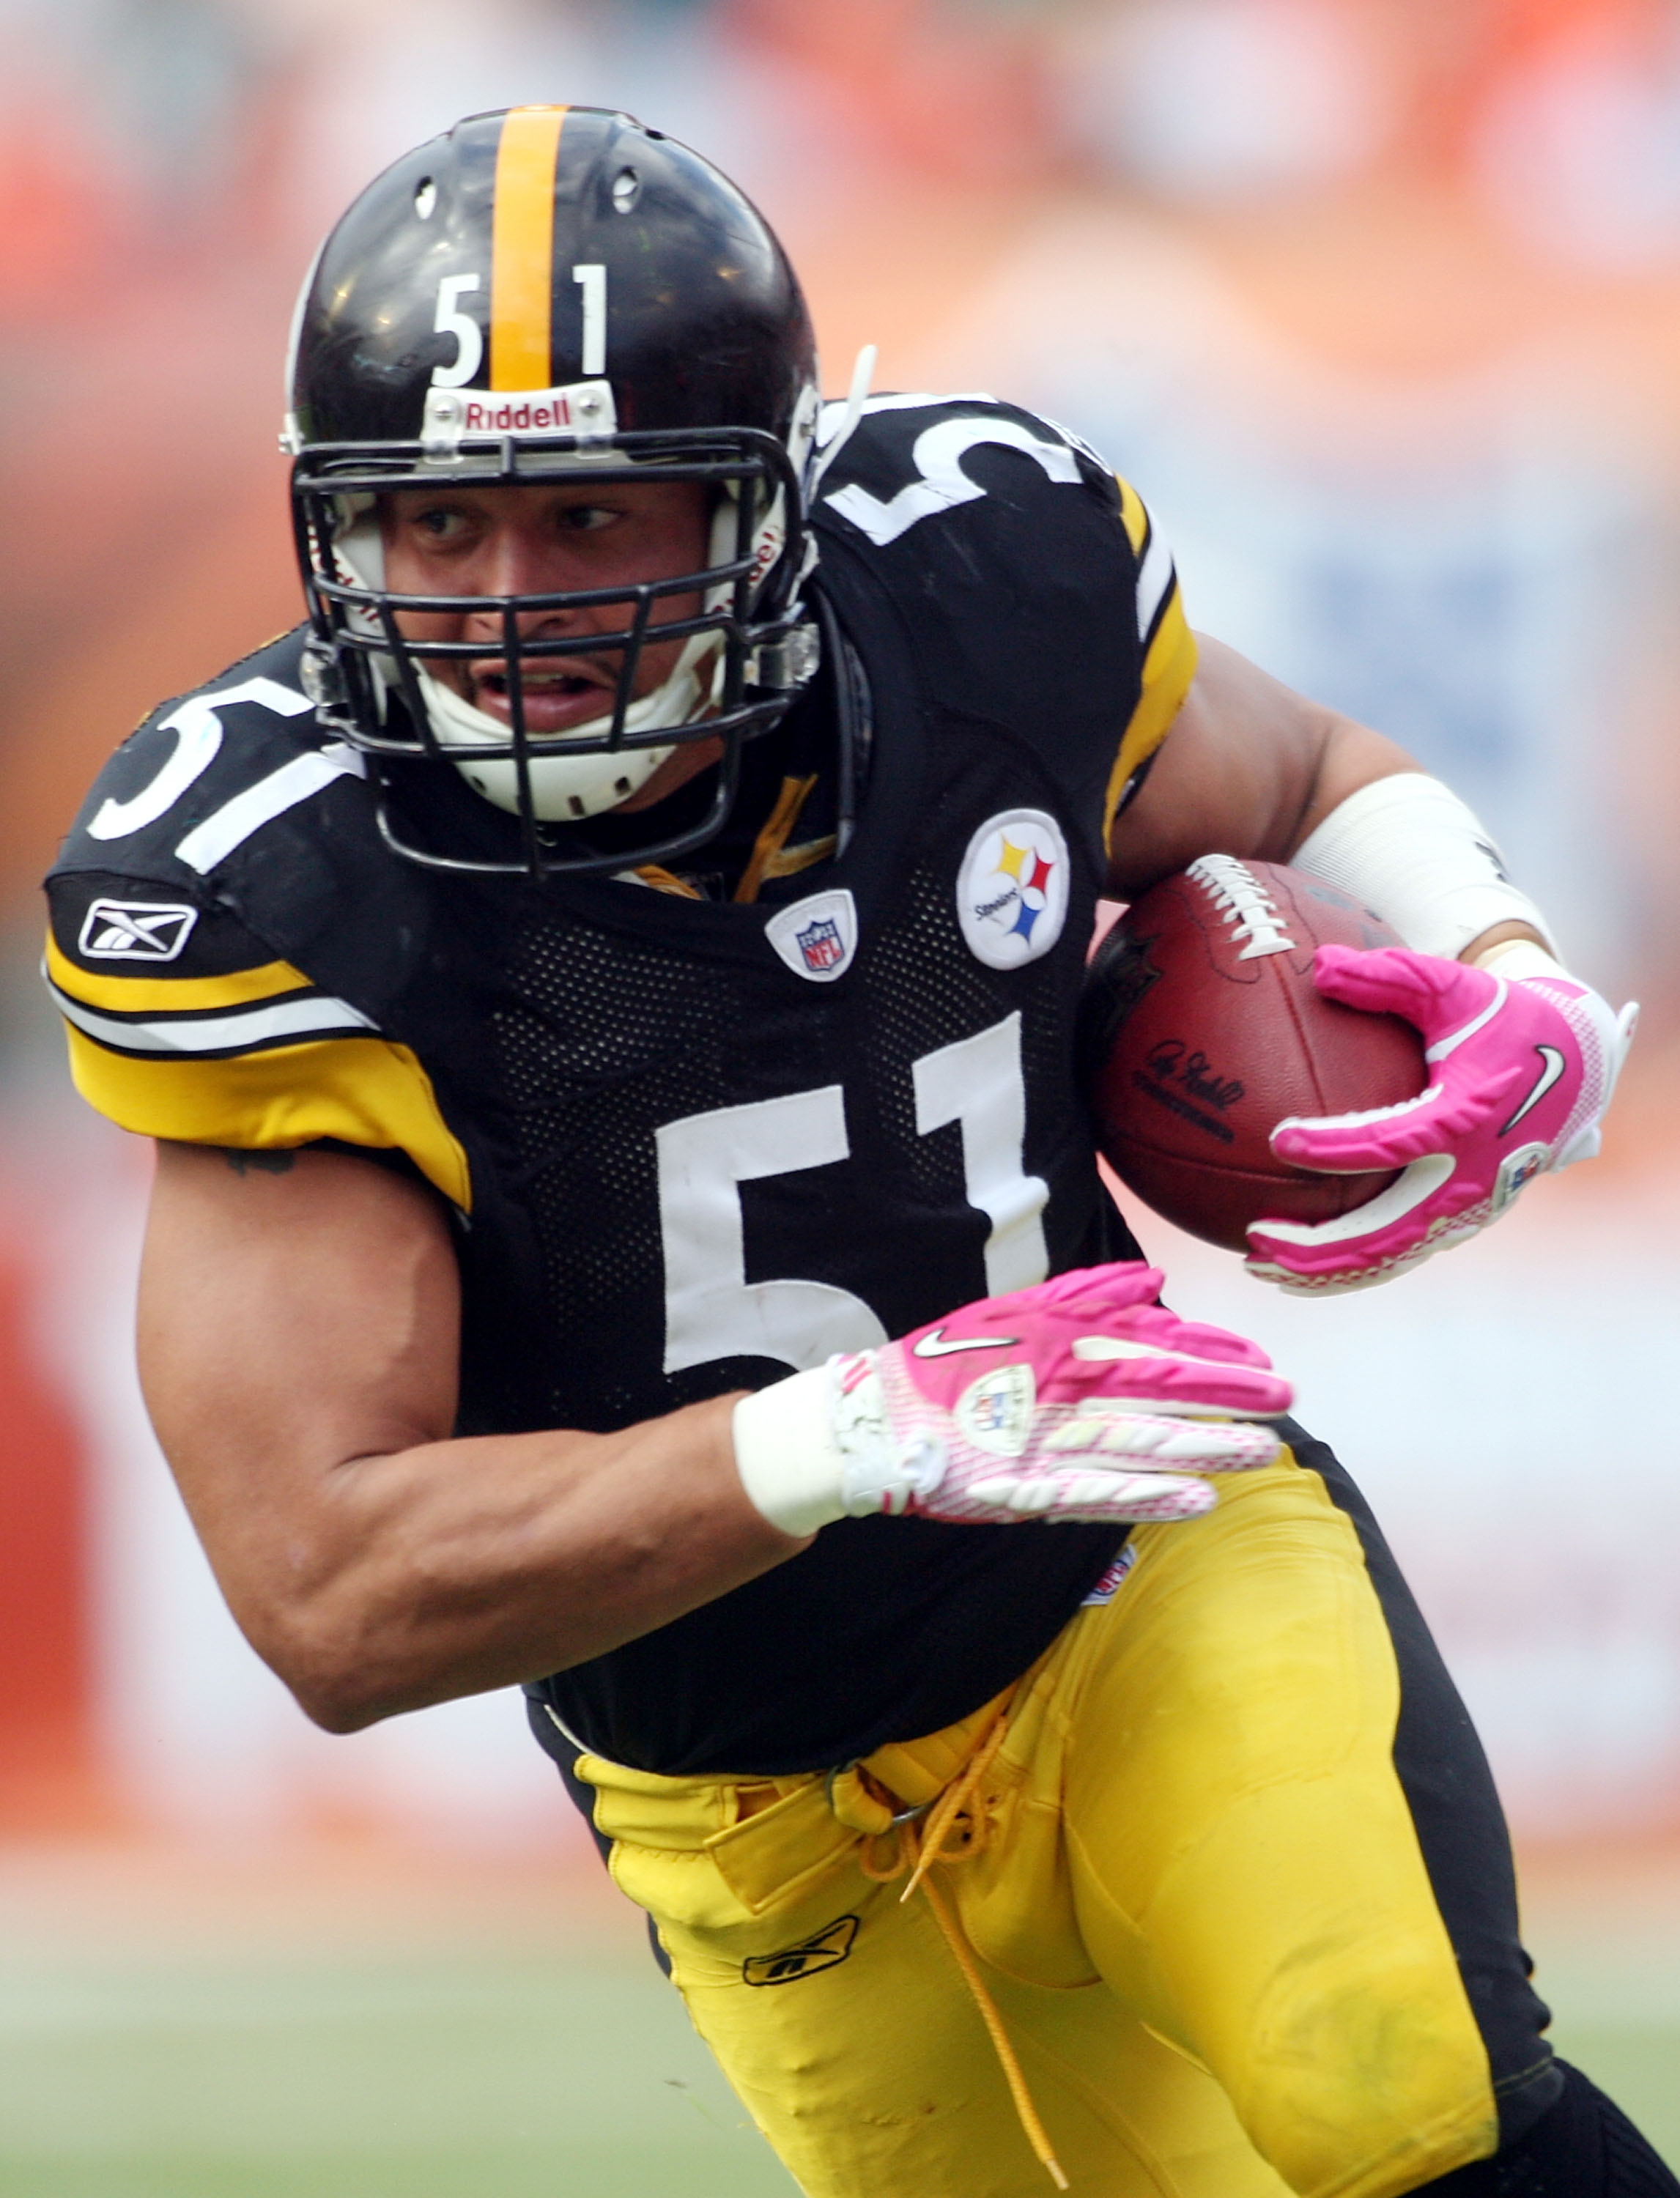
(521, 279)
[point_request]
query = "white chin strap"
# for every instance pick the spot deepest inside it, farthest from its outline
(564, 788)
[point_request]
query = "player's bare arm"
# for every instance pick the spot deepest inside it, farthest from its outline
(298, 1343)
(1253, 769)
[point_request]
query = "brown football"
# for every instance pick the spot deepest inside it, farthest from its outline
(1201, 1029)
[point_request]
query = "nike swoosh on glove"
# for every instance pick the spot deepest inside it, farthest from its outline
(1082, 1398)
(1522, 1069)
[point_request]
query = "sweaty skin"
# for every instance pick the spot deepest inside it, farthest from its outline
(300, 1323)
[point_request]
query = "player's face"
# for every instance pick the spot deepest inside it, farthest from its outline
(506, 541)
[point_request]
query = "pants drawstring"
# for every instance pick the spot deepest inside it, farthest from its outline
(919, 1846)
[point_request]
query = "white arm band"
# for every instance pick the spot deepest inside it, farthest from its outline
(1409, 849)
(785, 1451)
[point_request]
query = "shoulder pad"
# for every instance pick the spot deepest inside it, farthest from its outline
(206, 772)
(904, 461)
(104, 923)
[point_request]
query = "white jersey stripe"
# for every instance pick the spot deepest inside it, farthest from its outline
(239, 1027)
(1154, 578)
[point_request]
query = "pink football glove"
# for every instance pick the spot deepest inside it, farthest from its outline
(1064, 1401)
(1523, 1068)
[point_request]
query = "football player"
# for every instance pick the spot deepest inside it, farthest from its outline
(626, 1223)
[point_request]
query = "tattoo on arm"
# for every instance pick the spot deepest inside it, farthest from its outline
(269, 1163)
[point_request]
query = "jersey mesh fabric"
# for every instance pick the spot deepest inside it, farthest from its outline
(925, 990)
(602, 1034)
(605, 1035)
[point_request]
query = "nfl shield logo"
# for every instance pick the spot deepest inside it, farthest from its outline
(816, 937)
(822, 944)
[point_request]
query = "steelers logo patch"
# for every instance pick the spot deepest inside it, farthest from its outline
(1012, 890)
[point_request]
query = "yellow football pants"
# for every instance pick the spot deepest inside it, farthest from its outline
(1191, 1878)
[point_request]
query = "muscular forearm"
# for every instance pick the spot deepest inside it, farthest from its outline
(456, 1567)
(299, 1327)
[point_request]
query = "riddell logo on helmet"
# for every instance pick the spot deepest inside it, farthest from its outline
(585, 409)
(550, 412)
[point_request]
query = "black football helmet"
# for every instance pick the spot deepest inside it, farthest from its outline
(554, 294)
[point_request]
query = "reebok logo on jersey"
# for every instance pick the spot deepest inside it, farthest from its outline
(936, 1345)
(823, 1950)
(1552, 1065)
(1012, 889)
(134, 930)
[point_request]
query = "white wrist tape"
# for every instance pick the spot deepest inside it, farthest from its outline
(785, 1451)
(1409, 849)
(1517, 960)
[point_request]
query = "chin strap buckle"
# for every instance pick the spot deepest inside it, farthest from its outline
(321, 676)
(790, 662)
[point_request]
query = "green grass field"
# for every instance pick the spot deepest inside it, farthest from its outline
(387, 2079)
(323, 2060)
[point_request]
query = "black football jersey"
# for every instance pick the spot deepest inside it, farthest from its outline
(694, 1143)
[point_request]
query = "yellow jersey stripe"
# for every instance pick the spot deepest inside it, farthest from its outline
(521, 276)
(162, 995)
(364, 1091)
(1168, 670)
(1133, 516)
